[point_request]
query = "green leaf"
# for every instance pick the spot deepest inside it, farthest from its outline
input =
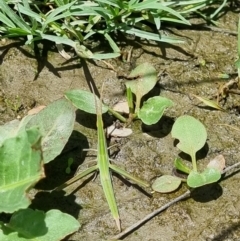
(106, 56)
(55, 123)
(27, 11)
(155, 5)
(83, 51)
(7, 21)
(166, 184)
(112, 43)
(27, 224)
(153, 36)
(181, 166)
(209, 175)
(14, 17)
(20, 169)
(191, 134)
(8, 130)
(58, 39)
(84, 100)
(153, 109)
(144, 79)
(237, 63)
(12, 128)
(55, 13)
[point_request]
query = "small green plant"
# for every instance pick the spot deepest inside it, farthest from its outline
(192, 136)
(14, 104)
(46, 226)
(69, 163)
(25, 146)
(143, 79)
(103, 161)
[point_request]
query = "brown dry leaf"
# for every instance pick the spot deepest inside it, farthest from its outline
(62, 52)
(209, 103)
(123, 132)
(121, 107)
(35, 110)
(218, 163)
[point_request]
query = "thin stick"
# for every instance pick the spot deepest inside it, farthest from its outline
(167, 205)
(151, 215)
(231, 167)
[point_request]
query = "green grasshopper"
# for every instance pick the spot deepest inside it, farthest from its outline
(104, 166)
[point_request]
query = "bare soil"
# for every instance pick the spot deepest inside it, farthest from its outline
(212, 213)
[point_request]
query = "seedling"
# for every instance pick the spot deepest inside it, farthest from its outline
(24, 148)
(143, 79)
(14, 104)
(103, 161)
(192, 136)
(69, 163)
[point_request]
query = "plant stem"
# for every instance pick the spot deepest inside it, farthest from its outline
(194, 162)
(130, 100)
(138, 102)
(150, 216)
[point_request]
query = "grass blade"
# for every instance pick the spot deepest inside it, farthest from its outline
(129, 176)
(153, 36)
(103, 165)
(14, 17)
(7, 21)
(77, 177)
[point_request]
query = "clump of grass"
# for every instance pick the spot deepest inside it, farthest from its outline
(67, 21)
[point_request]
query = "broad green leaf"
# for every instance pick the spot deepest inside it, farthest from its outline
(144, 78)
(153, 109)
(166, 184)
(8, 130)
(209, 175)
(27, 224)
(84, 100)
(191, 134)
(179, 165)
(55, 123)
(20, 169)
(12, 128)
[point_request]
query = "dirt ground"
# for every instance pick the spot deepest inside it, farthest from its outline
(212, 213)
